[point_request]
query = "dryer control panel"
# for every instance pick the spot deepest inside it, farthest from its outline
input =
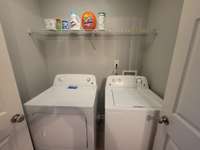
(127, 81)
(75, 80)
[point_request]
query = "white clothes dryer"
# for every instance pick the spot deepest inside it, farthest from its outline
(63, 117)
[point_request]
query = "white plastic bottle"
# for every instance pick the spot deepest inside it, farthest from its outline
(75, 22)
(101, 20)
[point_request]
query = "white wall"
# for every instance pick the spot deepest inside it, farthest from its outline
(164, 16)
(17, 16)
(76, 55)
(113, 8)
(35, 66)
(62, 53)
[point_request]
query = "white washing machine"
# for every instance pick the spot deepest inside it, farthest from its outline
(131, 110)
(63, 116)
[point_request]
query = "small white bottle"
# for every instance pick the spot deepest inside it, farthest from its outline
(75, 22)
(101, 20)
(50, 24)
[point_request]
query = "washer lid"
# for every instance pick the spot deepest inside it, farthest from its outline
(65, 96)
(131, 97)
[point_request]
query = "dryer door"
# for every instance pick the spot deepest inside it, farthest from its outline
(59, 130)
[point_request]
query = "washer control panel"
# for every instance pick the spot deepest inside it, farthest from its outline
(127, 81)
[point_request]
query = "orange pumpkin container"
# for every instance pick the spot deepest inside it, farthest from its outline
(88, 20)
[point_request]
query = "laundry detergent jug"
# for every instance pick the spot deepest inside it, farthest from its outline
(88, 20)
